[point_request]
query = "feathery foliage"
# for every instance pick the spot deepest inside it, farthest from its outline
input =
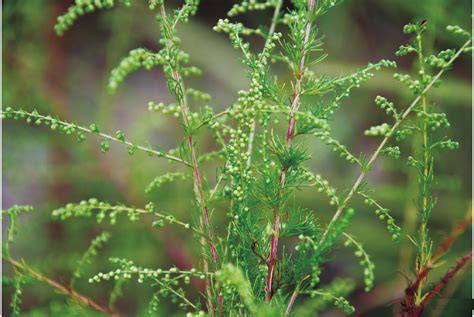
(272, 250)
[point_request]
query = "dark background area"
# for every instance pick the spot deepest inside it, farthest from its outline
(67, 76)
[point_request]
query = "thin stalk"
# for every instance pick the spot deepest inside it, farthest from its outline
(424, 186)
(440, 305)
(276, 13)
(374, 156)
(74, 295)
(294, 295)
(290, 133)
(197, 181)
(455, 233)
(103, 135)
(442, 283)
(198, 187)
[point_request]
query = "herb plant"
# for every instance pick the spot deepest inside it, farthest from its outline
(269, 257)
(428, 124)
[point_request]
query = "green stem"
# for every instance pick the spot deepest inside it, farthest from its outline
(382, 144)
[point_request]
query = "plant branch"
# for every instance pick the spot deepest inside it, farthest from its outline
(198, 187)
(294, 295)
(457, 231)
(67, 125)
(374, 156)
(77, 297)
(276, 13)
(290, 133)
(442, 283)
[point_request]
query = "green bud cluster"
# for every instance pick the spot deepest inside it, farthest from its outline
(337, 301)
(16, 297)
(158, 181)
(309, 123)
(87, 208)
(16, 210)
(136, 59)
(384, 215)
(13, 213)
(434, 120)
(365, 261)
(250, 5)
(388, 106)
(392, 151)
(441, 60)
(456, 29)
(403, 133)
(446, 144)
(413, 85)
(235, 30)
(171, 109)
(80, 8)
(231, 279)
(188, 9)
(405, 50)
(96, 244)
(127, 269)
(68, 128)
(337, 147)
(198, 95)
(378, 130)
(323, 186)
(338, 287)
(348, 83)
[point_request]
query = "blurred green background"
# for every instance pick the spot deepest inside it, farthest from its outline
(67, 76)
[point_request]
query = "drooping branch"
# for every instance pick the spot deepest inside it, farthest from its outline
(74, 295)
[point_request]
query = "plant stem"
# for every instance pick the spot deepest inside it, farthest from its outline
(290, 132)
(442, 283)
(61, 288)
(103, 135)
(458, 230)
(197, 181)
(294, 295)
(198, 187)
(276, 13)
(424, 181)
(374, 156)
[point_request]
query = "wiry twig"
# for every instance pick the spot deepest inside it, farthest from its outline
(414, 310)
(103, 135)
(458, 230)
(74, 295)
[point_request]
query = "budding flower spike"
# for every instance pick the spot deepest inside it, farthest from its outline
(251, 188)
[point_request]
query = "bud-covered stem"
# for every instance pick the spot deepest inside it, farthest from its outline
(290, 133)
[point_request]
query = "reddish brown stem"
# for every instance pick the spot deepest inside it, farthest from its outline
(82, 299)
(290, 133)
(411, 308)
(442, 283)
(458, 230)
(200, 199)
(198, 187)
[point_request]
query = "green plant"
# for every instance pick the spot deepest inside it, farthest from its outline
(272, 250)
(428, 124)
